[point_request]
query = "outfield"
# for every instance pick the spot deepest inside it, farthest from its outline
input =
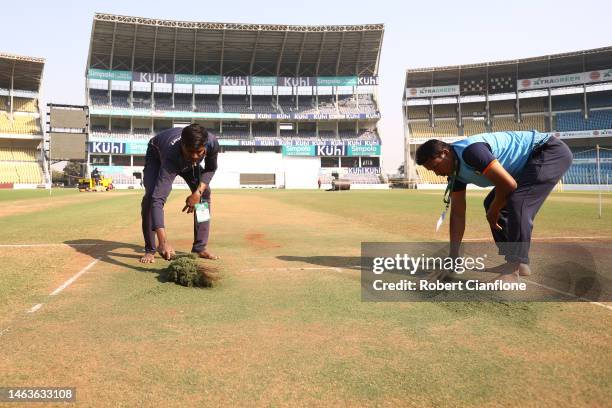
(286, 323)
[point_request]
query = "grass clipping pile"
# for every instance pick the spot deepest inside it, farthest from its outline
(187, 271)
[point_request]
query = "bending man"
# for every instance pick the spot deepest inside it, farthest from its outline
(523, 167)
(177, 152)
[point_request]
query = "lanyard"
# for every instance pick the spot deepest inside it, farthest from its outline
(449, 189)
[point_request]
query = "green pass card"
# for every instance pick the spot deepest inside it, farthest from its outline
(202, 212)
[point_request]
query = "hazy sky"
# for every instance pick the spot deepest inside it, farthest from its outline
(417, 34)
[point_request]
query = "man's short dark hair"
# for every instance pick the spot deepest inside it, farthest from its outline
(429, 150)
(194, 136)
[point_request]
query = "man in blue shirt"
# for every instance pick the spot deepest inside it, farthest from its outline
(523, 168)
(177, 152)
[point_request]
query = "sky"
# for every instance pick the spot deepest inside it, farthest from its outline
(417, 34)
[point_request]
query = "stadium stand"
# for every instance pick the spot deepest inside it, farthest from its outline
(567, 105)
(231, 103)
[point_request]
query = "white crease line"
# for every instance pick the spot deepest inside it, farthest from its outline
(35, 308)
(41, 245)
(568, 294)
(305, 268)
(542, 238)
(4, 331)
(64, 285)
(75, 277)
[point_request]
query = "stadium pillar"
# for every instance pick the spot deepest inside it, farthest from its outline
(550, 118)
(11, 91)
(598, 178)
(131, 101)
(584, 103)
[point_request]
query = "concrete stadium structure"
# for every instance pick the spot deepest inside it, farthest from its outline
(291, 105)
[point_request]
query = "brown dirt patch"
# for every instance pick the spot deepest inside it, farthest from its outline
(259, 241)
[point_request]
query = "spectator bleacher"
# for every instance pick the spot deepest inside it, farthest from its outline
(207, 103)
(163, 101)
(99, 97)
(528, 122)
(567, 102)
(183, 102)
(443, 128)
(120, 99)
(236, 104)
(429, 177)
(584, 167)
(141, 100)
(445, 111)
(418, 112)
(367, 178)
(234, 134)
(602, 99)
(24, 105)
(19, 124)
(263, 104)
(502, 107)
(473, 127)
(571, 121)
(532, 105)
(19, 163)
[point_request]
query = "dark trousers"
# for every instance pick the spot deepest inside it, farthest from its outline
(151, 170)
(541, 174)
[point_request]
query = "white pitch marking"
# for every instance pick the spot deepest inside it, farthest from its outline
(542, 238)
(75, 277)
(4, 331)
(40, 245)
(297, 268)
(35, 308)
(568, 294)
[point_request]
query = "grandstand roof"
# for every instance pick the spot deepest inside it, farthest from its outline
(166, 46)
(510, 70)
(25, 73)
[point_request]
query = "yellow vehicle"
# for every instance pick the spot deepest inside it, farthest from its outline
(91, 184)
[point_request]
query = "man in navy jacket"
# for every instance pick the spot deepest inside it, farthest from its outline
(177, 152)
